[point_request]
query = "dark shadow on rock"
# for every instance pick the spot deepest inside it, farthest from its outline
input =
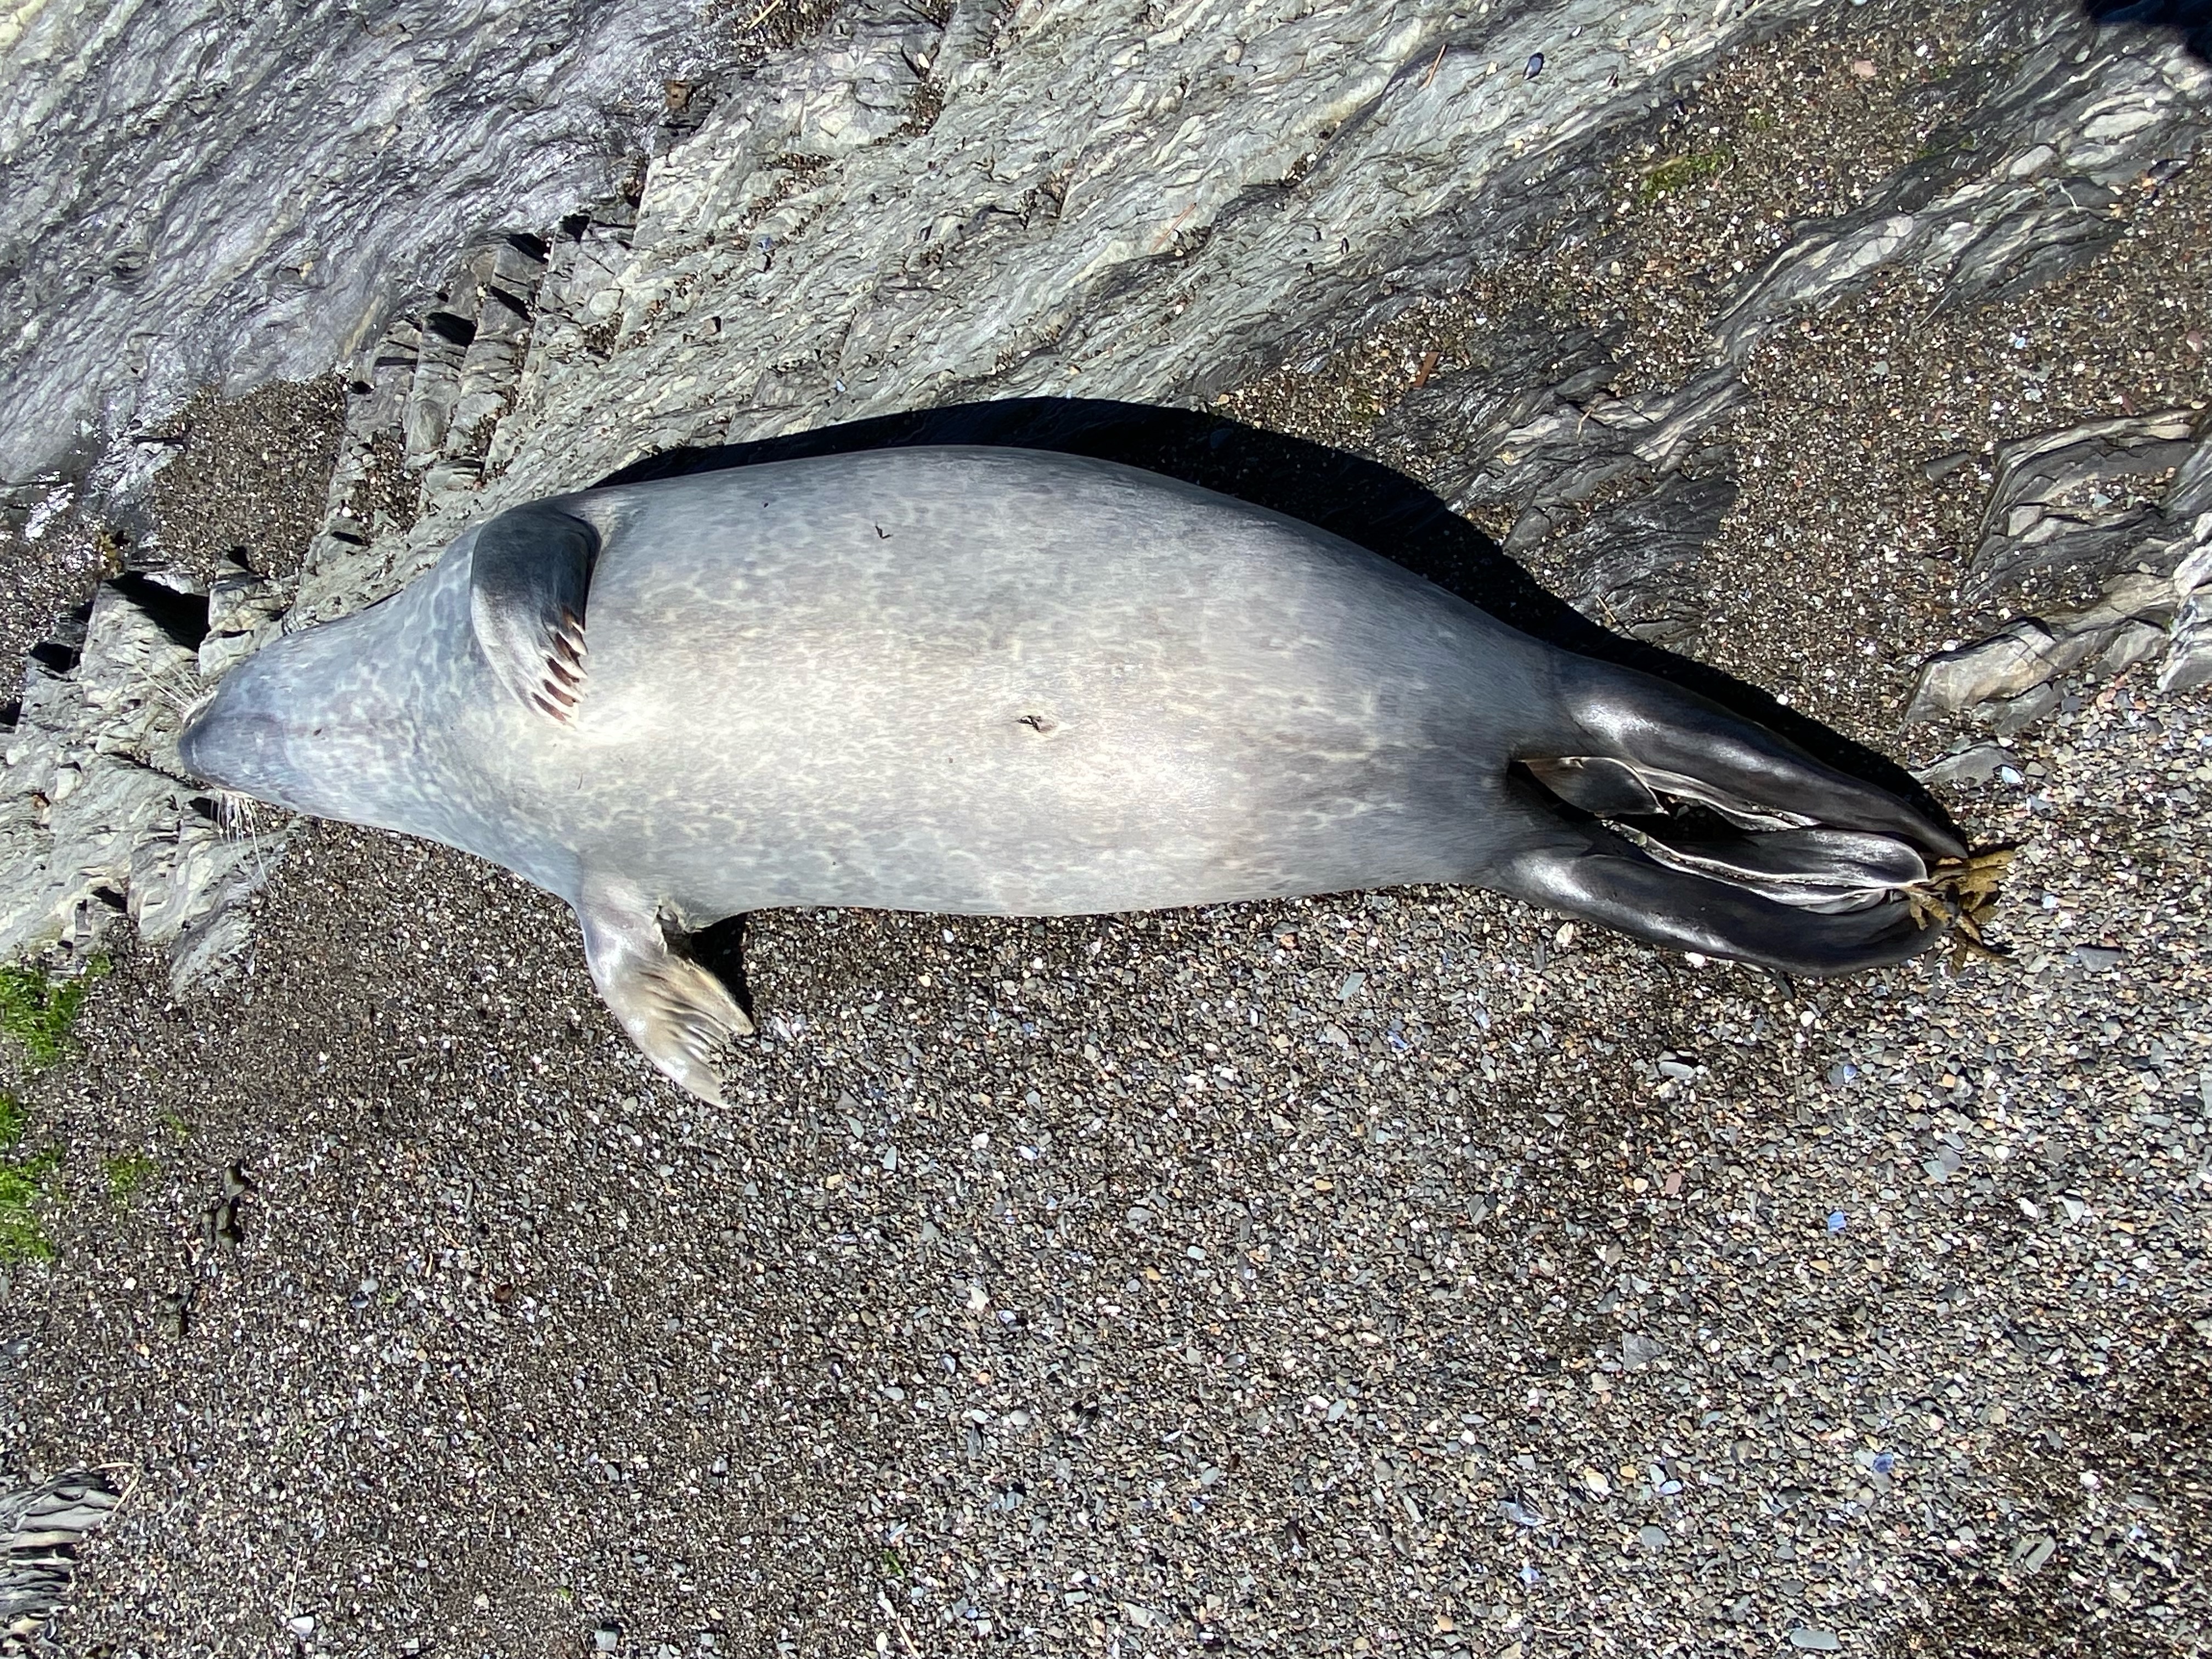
(183, 617)
(2193, 18)
(1358, 499)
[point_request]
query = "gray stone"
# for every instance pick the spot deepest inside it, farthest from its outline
(2023, 656)
(2122, 628)
(41, 1524)
(2130, 643)
(2189, 658)
(2073, 500)
(1638, 1350)
(2010, 716)
(1975, 764)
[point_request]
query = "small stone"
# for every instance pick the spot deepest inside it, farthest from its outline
(301, 1625)
(2039, 1551)
(2011, 715)
(1977, 765)
(2022, 656)
(1837, 1221)
(1652, 1538)
(2095, 959)
(1820, 1641)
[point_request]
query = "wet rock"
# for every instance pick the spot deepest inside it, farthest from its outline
(2124, 627)
(2015, 189)
(93, 820)
(2189, 659)
(42, 1526)
(2024, 654)
(2007, 716)
(196, 129)
(243, 609)
(2084, 500)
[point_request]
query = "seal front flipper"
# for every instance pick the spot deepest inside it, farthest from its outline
(528, 575)
(680, 1015)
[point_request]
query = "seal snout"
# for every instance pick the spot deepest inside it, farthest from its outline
(242, 749)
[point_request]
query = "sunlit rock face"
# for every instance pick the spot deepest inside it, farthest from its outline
(200, 193)
(542, 245)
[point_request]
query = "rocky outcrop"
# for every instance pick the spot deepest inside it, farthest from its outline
(41, 1527)
(916, 207)
(202, 193)
(2128, 499)
(93, 821)
(2017, 190)
(2106, 496)
(1543, 442)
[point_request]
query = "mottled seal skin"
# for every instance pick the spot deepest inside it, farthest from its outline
(1008, 683)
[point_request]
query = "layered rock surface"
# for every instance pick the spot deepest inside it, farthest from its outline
(910, 209)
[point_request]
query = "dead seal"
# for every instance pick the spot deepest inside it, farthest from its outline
(1007, 683)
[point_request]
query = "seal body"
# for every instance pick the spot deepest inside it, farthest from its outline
(986, 681)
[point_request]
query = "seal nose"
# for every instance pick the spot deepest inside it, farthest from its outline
(191, 744)
(238, 749)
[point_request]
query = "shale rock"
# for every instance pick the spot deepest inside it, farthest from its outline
(93, 819)
(2105, 496)
(202, 193)
(683, 239)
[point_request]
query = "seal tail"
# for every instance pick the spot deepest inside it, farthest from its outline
(1634, 738)
(1605, 879)
(1727, 839)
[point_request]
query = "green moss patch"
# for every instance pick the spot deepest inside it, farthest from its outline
(37, 1009)
(127, 1175)
(1682, 172)
(22, 1184)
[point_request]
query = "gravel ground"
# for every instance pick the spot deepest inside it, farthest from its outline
(249, 476)
(1403, 1273)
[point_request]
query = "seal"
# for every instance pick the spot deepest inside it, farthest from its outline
(1011, 683)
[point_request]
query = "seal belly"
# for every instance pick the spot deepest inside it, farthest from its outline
(976, 681)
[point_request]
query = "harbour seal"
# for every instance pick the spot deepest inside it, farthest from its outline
(1015, 683)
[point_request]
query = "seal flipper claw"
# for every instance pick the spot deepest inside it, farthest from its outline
(528, 575)
(680, 1015)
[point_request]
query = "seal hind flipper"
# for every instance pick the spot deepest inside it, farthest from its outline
(528, 575)
(680, 1015)
(1588, 871)
(1812, 869)
(1679, 743)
